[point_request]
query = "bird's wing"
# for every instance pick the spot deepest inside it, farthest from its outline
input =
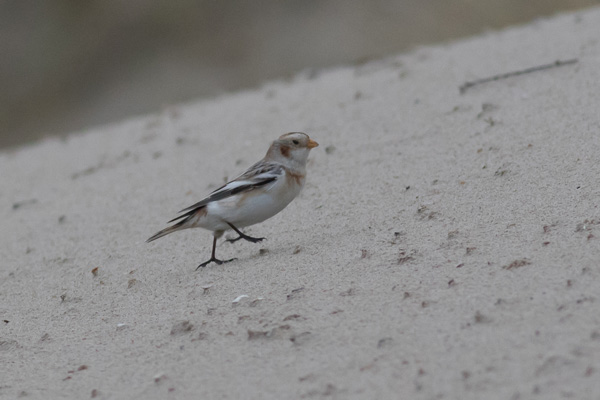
(260, 174)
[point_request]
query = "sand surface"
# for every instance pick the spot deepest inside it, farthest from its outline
(446, 245)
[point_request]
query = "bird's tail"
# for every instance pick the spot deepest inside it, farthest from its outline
(178, 226)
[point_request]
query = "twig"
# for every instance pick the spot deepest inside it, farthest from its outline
(463, 88)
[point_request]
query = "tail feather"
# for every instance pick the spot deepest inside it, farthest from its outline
(166, 231)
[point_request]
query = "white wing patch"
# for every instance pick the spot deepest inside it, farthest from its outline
(258, 175)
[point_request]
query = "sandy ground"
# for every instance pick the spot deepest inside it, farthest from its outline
(446, 245)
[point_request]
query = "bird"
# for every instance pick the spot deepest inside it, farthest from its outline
(261, 192)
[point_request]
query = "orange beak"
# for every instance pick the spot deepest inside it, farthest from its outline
(311, 144)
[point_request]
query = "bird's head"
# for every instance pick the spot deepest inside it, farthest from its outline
(292, 148)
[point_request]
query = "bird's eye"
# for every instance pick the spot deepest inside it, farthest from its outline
(295, 142)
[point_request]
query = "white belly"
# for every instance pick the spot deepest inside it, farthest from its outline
(248, 208)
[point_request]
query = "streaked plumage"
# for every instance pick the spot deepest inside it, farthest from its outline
(262, 191)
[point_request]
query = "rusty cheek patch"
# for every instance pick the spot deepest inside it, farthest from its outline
(285, 151)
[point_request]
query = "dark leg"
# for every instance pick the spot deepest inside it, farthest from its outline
(213, 258)
(243, 236)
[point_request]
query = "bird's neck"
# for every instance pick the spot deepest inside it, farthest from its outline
(293, 164)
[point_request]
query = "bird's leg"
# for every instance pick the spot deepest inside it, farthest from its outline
(243, 236)
(213, 258)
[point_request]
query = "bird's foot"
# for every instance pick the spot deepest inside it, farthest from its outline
(243, 235)
(246, 237)
(216, 261)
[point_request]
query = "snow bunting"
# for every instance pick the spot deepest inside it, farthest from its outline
(262, 191)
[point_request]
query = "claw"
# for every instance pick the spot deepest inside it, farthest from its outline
(246, 237)
(215, 260)
(254, 240)
(243, 236)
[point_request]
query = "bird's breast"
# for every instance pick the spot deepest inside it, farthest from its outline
(257, 205)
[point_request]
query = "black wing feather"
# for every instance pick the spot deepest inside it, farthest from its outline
(219, 195)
